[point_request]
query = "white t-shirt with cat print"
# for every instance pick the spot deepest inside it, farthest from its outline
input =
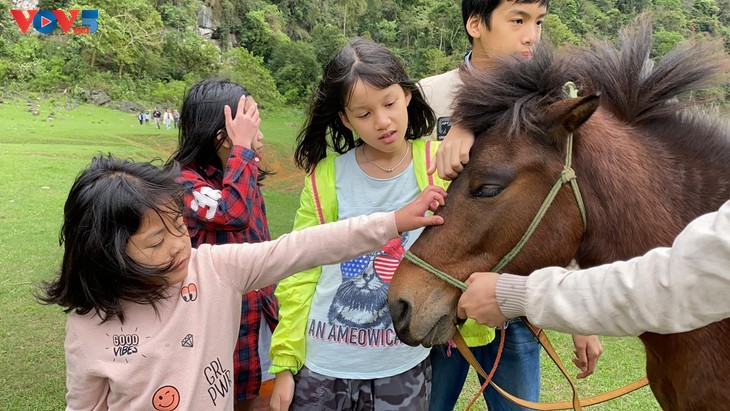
(349, 330)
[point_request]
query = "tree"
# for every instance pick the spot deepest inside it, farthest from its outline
(242, 67)
(443, 17)
(351, 9)
(295, 69)
(185, 52)
(669, 15)
(261, 31)
(704, 16)
(557, 33)
(327, 40)
(664, 42)
(128, 31)
(428, 62)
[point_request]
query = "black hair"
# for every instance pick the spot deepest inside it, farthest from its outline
(484, 9)
(104, 208)
(374, 64)
(202, 120)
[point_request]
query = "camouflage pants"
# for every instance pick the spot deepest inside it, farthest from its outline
(409, 390)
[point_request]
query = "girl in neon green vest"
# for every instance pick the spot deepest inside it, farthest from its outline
(335, 347)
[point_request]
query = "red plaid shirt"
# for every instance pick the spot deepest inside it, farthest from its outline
(228, 207)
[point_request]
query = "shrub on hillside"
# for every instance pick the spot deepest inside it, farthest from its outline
(248, 70)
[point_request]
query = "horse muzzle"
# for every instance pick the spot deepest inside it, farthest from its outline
(435, 328)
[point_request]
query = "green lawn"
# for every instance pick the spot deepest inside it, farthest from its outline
(40, 159)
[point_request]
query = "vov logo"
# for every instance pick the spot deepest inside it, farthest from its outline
(45, 21)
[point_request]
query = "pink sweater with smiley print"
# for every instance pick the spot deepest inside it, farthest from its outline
(180, 358)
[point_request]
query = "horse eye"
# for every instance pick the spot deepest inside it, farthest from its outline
(487, 190)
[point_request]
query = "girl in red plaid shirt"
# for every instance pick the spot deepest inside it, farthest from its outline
(221, 174)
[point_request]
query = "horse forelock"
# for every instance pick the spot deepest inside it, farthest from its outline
(635, 88)
(512, 94)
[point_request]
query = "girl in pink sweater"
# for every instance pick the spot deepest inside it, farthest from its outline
(153, 321)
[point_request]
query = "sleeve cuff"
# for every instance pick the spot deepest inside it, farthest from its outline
(391, 226)
(245, 153)
(275, 369)
(283, 364)
(512, 295)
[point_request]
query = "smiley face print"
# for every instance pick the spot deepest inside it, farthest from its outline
(166, 398)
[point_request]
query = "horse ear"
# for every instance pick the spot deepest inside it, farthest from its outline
(567, 115)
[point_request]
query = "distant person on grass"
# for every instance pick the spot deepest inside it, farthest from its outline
(221, 174)
(156, 116)
(167, 118)
(152, 320)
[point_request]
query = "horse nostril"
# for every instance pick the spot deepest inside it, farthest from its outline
(401, 313)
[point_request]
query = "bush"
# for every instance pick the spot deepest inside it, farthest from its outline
(295, 69)
(248, 70)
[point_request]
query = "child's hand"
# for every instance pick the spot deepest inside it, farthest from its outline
(244, 127)
(412, 215)
(453, 153)
(283, 393)
(587, 351)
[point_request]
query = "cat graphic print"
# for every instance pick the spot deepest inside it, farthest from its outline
(361, 299)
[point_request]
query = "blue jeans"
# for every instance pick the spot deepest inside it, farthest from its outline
(518, 371)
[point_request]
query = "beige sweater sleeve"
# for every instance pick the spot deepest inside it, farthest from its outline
(668, 290)
(251, 266)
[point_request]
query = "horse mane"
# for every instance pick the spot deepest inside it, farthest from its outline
(633, 89)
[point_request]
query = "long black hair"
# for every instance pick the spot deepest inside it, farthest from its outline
(202, 120)
(104, 208)
(374, 64)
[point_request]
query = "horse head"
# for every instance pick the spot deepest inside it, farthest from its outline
(645, 166)
(493, 202)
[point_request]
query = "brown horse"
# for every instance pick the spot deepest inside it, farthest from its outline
(646, 163)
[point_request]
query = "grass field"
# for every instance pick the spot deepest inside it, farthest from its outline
(40, 159)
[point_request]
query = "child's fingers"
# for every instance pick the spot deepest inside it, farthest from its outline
(241, 106)
(456, 164)
(227, 115)
(253, 110)
(447, 171)
(432, 220)
(432, 166)
(435, 193)
(436, 201)
(464, 155)
(441, 163)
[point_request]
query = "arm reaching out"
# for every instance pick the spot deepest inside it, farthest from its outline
(667, 290)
